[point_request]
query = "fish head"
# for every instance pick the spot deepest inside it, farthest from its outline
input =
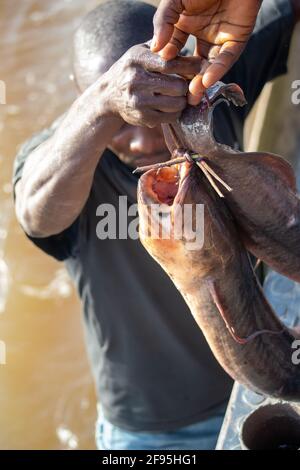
(179, 221)
(194, 128)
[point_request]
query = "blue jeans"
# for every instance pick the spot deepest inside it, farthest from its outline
(200, 436)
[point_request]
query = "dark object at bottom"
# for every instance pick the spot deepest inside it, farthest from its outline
(256, 422)
(272, 427)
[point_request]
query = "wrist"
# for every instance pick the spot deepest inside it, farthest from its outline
(103, 94)
(89, 126)
(98, 106)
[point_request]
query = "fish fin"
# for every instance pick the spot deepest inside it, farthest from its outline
(230, 91)
(277, 164)
(238, 339)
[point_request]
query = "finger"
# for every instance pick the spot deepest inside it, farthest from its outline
(203, 48)
(227, 56)
(165, 18)
(168, 104)
(174, 46)
(196, 90)
(167, 85)
(155, 118)
(196, 87)
(168, 117)
(183, 66)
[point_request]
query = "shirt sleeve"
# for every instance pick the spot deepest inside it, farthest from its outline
(63, 245)
(266, 54)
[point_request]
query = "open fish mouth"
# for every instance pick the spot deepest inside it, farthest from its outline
(160, 186)
(165, 185)
(171, 213)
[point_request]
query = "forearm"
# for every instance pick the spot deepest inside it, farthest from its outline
(58, 175)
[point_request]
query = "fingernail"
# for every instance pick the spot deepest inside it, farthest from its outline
(196, 87)
(169, 52)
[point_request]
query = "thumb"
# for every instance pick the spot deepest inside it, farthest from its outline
(196, 86)
(165, 18)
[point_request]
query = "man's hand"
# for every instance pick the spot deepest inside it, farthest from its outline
(58, 174)
(221, 27)
(145, 90)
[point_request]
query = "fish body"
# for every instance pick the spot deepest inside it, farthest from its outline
(263, 199)
(218, 283)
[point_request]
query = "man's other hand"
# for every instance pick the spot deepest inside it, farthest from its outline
(146, 90)
(221, 28)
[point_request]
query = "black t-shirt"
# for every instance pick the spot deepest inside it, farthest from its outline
(153, 368)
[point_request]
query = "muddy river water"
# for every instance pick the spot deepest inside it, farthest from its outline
(47, 397)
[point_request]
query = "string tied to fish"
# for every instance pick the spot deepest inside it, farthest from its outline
(180, 156)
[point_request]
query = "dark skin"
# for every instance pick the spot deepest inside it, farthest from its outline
(140, 89)
(221, 28)
(122, 109)
(144, 98)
